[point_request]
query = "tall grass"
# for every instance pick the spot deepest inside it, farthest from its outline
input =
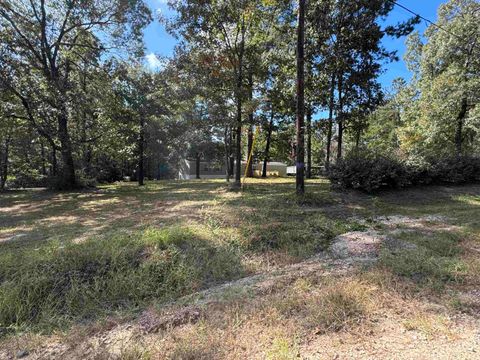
(434, 260)
(56, 284)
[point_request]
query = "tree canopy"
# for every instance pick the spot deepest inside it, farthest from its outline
(79, 106)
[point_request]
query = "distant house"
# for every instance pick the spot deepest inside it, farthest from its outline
(291, 170)
(316, 170)
(274, 168)
(214, 170)
(208, 170)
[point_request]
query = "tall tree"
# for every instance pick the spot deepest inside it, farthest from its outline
(47, 41)
(300, 126)
(449, 73)
(348, 36)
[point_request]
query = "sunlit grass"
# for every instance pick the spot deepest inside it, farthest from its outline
(84, 255)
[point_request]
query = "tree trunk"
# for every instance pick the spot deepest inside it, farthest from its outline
(67, 180)
(309, 143)
(238, 147)
(4, 163)
(197, 165)
(300, 126)
(340, 119)
(227, 155)
(459, 126)
(42, 153)
(358, 135)
(86, 146)
(53, 169)
(232, 166)
(141, 152)
(238, 150)
(231, 159)
(330, 122)
(250, 150)
(250, 126)
(267, 146)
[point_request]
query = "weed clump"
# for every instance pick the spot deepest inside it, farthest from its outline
(433, 259)
(57, 284)
(328, 307)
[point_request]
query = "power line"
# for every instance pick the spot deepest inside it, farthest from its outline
(428, 21)
(424, 18)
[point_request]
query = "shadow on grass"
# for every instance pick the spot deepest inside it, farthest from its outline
(47, 280)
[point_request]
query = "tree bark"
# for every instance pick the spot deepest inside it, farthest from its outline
(231, 159)
(238, 157)
(250, 149)
(227, 154)
(42, 153)
(267, 146)
(141, 152)
(197, 165)
(239, 98)
(459, 126)
(358, 135)
(330, 122)
(300, 126)
(238, 147)
(4, 163)
(309, 143)
(53, 169)
(340, 119)
(67, 180)
(250, 126)
(232, 165)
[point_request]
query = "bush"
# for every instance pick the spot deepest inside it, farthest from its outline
(456, 170)
(370, 172)
(26, 180)
(106, 171)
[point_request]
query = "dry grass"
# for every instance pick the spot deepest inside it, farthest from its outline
(219, 235)
(430, 325)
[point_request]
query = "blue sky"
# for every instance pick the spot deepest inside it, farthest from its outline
(159, 43)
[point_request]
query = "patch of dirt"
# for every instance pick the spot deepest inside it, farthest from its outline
(359, 245)
(426, 223)
(151, 322)
(390, 340)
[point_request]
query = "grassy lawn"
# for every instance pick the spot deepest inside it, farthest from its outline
(74, 257)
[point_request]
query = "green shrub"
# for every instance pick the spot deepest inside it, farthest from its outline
(370, 172)
(25, 179)
(455, 170)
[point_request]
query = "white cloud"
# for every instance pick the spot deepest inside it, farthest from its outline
(153, 62)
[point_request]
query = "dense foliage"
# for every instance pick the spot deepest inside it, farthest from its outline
(370, 172)
(79, 105)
